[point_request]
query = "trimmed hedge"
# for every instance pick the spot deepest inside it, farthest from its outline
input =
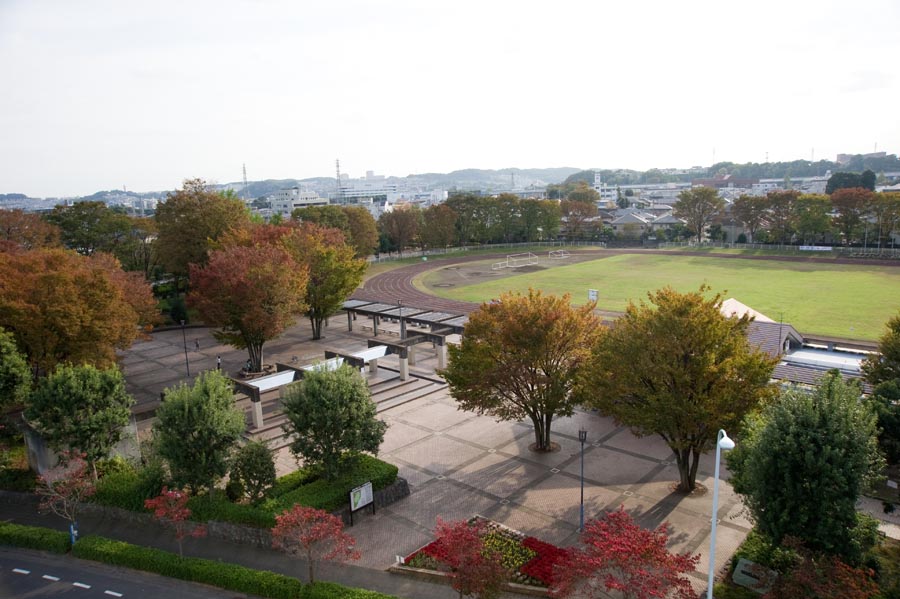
(128, 488)
(219, 507)
(34, 537)
(220, 574)
(330, 495)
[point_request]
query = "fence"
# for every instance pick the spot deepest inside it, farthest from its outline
(487, 246)
(840, 251)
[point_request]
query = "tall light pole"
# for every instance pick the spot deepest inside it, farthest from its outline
(722, 442)
(187, 365)
(582, 436)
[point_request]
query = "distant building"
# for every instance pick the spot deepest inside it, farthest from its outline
(284, 201)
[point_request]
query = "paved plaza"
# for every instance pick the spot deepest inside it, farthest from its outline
(459, 464)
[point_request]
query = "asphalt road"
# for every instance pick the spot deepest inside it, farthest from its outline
(38, 575)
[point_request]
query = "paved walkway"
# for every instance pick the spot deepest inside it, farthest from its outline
(460, 464)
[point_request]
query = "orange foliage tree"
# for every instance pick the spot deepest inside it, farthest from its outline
(63, 307)
(521, 357)
(26, 231)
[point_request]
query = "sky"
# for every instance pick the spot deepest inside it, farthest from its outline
(98, 95)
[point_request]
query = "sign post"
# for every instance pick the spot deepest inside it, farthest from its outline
(592, 295)
(360, 497)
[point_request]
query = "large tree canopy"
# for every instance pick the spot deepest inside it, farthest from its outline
(331, 417)
(191, 220)
(679, 368)
(26, 231)
(62, 307)
(89, 227)
(804, 463)
(15, 376)
(521, 357)
(697, 207)
(251, 293)
(196, 429)
(81, 408)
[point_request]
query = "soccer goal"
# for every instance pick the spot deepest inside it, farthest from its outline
(520, 260)
(558, 254)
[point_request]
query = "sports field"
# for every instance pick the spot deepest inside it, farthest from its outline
(851, 301)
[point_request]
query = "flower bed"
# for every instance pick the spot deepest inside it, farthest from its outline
(530, 561)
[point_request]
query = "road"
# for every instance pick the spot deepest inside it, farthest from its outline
(39, 575)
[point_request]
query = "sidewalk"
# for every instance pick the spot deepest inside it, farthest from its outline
(22, 509)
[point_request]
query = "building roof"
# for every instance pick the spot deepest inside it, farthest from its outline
(732, 307)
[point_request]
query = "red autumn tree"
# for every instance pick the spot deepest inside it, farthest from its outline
(170, 508)
(619, 556)
(313, 534)
(474, 569)
(26, 231)
(251, 293)
(65, 487)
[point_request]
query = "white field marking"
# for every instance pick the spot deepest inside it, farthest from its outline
(48, 577)
(21, 571)
(81, 585)
(113, 593)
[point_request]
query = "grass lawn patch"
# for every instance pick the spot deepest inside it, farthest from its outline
(851, 301)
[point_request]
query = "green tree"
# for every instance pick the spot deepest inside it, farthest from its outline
(577, 215)
(802, 465)
(190, 222)
(467, 225)
(15, 376)
(885, 208)
(438, 226)
(521, 356)
(882, 371)
(332, 418)
(196, 430)
(842, 180)
(254, 468)
(251, 293)
(540, 219)
(751, 211)
(851, 206)
(334, 271)
(326, 216)
(81, 408)
(679, 368)
(813, 218)
(401, 225)
(362, 231)
(89, 227)
(583, 193)
(867, 180)
(782, 214)
(698, 207)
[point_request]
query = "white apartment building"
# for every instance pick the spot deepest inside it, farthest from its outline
(284, 201)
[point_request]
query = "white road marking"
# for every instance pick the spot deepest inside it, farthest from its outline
(113, 593)
(81, 585)
(21, 571)
(48, 577)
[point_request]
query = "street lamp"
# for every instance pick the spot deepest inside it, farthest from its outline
(722, 442)
(582, 436)
(187, 365)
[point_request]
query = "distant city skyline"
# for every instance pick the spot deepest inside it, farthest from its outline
(101, 94)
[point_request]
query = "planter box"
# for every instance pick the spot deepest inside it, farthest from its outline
(443, 577)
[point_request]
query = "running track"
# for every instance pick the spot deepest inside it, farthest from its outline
(394, 285)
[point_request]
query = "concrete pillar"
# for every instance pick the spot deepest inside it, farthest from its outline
(442, 356)
(402, 328)
(375, 325)
(373, 366)
(349, 321)
(404, 369)
(257, 414)
(412, 355)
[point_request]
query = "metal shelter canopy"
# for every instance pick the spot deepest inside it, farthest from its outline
(406, 314)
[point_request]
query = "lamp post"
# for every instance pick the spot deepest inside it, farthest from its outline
(582, 436)
(722, 442)
(187, 365)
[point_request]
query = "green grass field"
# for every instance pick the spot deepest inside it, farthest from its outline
(851, 301)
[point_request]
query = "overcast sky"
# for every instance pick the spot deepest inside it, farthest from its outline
(99, 95)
